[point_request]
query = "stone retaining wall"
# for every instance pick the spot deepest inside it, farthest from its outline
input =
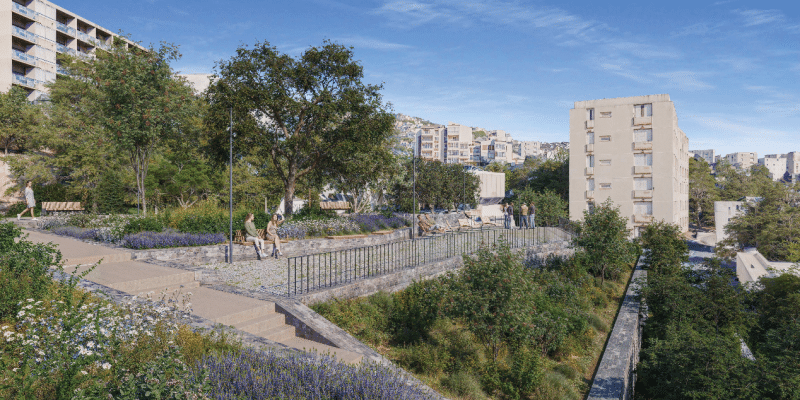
(616, 374)
(399, 280)
(218, 253)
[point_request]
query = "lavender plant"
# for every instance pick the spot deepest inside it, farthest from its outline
(160, 240)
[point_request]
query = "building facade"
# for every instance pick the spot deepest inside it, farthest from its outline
(458, 144)
(707, 155)
(33, 32)
(742, 160)
(630, 150)
(431, 142)
(776, 164)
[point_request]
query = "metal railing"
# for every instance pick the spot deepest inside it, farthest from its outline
(324, 270)
(23, 33)
(63, 28)
(64, 49)
(25, 81)
(20, 56)
(23, 10)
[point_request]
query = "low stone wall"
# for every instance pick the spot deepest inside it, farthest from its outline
(399, 280)
(218, 253)
(615, 377)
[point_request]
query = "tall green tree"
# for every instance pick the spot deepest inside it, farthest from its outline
(550, 207)
(299, 113)
(18, 118)
(142, 102)
(665, 251)
(702, 192)
(603, 241)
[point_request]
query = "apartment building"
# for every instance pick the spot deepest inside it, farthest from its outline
(793, 163)
(530, 149)
(432, 143)
(630, 150)
(707, 155)
(458, 144)
(776, 164)
(33, 32)
(742, 160)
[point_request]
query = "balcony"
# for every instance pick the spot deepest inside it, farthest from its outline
(65, 29)
(20, 56)
(643, 194)
(83, 36)
(590, 124)
(64, 49)
(590, 194)
(589, 148)
(22, 80)
(589, 170)
(20, 9)
(643, 169)
(22, 33)
(643, 145)
(642, 120)
(638, 218)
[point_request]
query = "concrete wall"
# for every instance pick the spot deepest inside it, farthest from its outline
(723, 212)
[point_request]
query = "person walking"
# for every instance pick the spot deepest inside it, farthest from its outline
(523, 216)
(272, 234)
(252, 235)
(30, 200)
(510, 216)
(532, 211)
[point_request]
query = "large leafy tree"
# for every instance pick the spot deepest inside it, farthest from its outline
(141, 102)
(437, 185)
(603, 240)
(18, 119)
(550, 207)
(702, 192)
(302, 114)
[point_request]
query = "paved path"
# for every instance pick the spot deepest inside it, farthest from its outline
(118, 271)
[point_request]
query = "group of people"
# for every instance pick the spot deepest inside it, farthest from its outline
(527, 215)
(271, 234)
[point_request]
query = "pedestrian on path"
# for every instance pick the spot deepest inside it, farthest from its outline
(523, 216)
(252, 235)
(510, 216)
(30, 200)
(272, 234)
(533, 215)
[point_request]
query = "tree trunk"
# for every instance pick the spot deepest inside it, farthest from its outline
(288, 193)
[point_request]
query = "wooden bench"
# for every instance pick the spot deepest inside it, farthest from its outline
(61, 206)
(384, 232)
(239, 236)
(334, 205)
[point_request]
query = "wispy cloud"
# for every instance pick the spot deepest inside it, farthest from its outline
(760, 17)
(684, 80)
(698, 29)
(623, 69)
(643, 50)
(371, 43)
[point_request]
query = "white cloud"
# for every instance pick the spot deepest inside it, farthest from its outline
(760, 17)
(360, 42)
(684, 80)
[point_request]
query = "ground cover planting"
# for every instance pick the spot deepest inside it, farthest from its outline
(499, 328)
(60, 342)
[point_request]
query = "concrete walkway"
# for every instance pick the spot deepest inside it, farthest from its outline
(118, 271)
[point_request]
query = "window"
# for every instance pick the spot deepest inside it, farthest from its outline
(605, 186)
(590, 184)
(643, 110)
(642, 159)
(605, 162)
(590, 161)
(643, 208)
(643, 184)
(590, 138)
(605, 138)
(643, 135)
(591, 114)
(590, 206)
(606, 114)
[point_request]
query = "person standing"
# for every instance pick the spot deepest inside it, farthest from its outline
(30, 200)
(533, 215)
(523, 216)
(272, 234)
(252, 235)
(510, 216)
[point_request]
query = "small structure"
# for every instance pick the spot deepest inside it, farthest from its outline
(751, 265)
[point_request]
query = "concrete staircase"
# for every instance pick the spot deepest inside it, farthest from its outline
(117, 271)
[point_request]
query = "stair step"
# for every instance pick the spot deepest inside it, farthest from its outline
(278, 333)
(184, 288)
(262, 323)
(147, 284)
(348, 357)
(245, 315)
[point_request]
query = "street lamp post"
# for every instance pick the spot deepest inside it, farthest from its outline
(414, 195)
(230, 192)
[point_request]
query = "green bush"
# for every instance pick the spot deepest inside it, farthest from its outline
(16, 208)
(312, 212)
(145, 224)
(110, 193)
(566, 370)
(464, 384)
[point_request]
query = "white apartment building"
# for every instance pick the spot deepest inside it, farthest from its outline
(630, 150)
(776, 164)
(793, 163)
(707, 155)
(33, 32)
(742, 160)
(458, 144)
(432, 143)
(530, 149)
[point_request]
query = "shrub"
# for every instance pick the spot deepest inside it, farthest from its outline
(203, 217)
(464, 384)
(150, 224)
(160, 240)
(566, 370)
(17, 208)
(597, 323)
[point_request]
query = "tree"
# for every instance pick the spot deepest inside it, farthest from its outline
(603, 239)
(541, 176)
(702, 192)
(550, 207)
(438, 185)
(665, 249)
(17, 118)
(299, 113)
(142, 102)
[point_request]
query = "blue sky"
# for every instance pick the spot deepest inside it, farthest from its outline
(732, 67)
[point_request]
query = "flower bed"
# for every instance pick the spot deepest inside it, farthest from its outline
(161, 240)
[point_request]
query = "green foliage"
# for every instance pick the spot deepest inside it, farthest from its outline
(18, 119)
(146, 224)
(550, 207)
(17, 208)
(601, 230)
(312, 211)
(664, 248)
(110, 193)
(518, 380)
(438, 185)
(542, 176)
(703, 192)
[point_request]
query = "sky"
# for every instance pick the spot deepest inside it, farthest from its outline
(731, 67)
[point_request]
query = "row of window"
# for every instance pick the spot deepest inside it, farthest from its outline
(639, 160)
(639, 110)
(639, 136)
(638, 184)
(639, 207)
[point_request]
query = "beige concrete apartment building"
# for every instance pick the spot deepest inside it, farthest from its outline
(431, 142)
(707, 155)
(459, 144)
(630, 150)
(32, 33)
(742, 160)
(776, 165)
